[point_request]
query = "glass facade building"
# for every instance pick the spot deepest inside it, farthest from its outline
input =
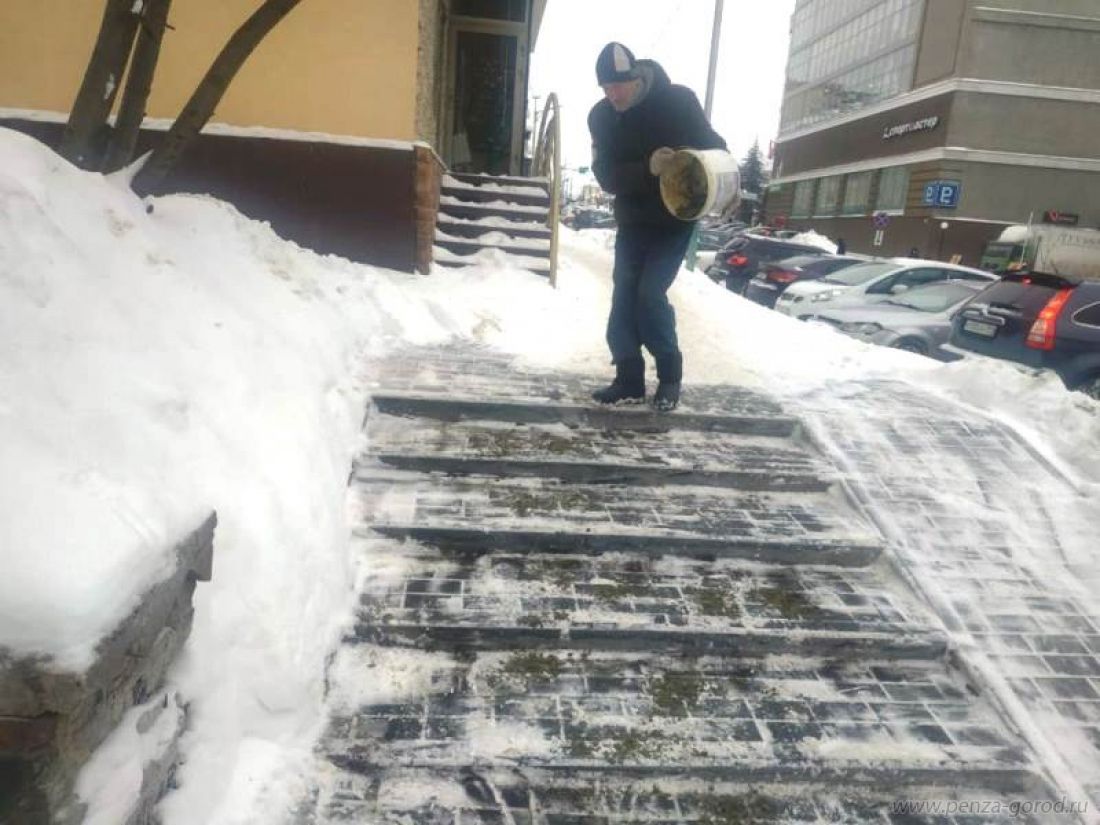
(847, 54)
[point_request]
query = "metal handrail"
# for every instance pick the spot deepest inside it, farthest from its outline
(547, 164)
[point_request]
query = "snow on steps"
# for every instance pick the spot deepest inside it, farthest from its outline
(509, 666)
(569, 413)
(615, 602)
(479, 213)
(613, 738)
(589, 454)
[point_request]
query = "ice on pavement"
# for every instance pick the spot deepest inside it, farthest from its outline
(157, 365)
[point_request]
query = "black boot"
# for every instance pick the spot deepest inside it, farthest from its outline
(628, 386)
(670, 373)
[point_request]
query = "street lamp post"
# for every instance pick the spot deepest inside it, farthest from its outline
(715, 36)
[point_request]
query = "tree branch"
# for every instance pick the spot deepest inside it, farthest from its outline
(139, 82)
(200, 108)
(100, 85)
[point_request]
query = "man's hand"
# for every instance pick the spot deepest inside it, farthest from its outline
(660, 160)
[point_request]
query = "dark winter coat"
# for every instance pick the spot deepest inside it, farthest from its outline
(665, 115)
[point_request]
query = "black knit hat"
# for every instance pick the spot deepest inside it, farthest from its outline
(615, 64)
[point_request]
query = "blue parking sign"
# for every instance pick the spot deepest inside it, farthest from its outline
(942, 193)
(949, 194)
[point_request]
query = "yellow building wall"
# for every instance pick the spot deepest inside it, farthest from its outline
(345, 67)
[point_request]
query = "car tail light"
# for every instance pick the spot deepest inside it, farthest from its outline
(1044, 330)
(782, 276)
(737, 260)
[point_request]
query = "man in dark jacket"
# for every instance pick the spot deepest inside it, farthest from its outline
(635, 130)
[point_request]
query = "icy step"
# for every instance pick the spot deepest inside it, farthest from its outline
(491, 796)
(591, 455)
(477, 795)
(471, 374)
(504, 181)
(493, 257)
(479, 515)
(497, 238)
(473, 246)
(452, 207)
(456, 263)
(805, 720)
(628, 603)
(533, 405)
(526, 196)
(518, 229)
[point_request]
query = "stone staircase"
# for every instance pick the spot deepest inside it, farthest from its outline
(612, 617)
(486, 212)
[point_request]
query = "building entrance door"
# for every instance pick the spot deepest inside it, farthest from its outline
(486, 88)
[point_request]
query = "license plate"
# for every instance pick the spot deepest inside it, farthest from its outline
(980, 328)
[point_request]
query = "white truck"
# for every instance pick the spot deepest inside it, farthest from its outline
(1054, 250)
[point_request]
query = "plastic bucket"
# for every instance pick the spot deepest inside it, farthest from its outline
(699, 181)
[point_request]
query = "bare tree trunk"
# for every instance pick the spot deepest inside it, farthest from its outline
(139, 81)
(93, 103)
(209, 92)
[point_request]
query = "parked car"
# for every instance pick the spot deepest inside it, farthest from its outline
(738, 260)
(713, 235)
(1039, 320)
(593, 219)
(772, 231)
(866, 283)
(918, 320)
(773, 278)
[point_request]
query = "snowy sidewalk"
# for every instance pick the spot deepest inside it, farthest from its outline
(576, 617)
(998, 541)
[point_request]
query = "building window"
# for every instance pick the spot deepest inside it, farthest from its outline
(828, 193)
(857, 194)
(493, 9)
(893, 189)
(847, 54)
(803, 199)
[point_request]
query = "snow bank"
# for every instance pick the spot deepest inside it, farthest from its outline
(154, 367)
(811, 238)
(157, 365)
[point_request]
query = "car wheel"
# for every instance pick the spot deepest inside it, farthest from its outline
(911, 345)
(1091, 387)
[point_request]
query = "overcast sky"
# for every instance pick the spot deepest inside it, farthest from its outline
(675, 33)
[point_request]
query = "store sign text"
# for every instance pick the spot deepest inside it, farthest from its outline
(901, 129)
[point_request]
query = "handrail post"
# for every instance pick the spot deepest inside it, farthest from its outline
(550, 133)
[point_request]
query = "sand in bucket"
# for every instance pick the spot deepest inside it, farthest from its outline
(696, 182)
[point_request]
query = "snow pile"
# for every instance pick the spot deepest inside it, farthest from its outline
(811, 238)
(154, 367)
(158, 365)
(112, 780)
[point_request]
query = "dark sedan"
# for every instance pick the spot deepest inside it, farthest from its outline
(738, 260)
(772, 278)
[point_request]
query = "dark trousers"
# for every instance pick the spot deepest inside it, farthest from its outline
(647, 259)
